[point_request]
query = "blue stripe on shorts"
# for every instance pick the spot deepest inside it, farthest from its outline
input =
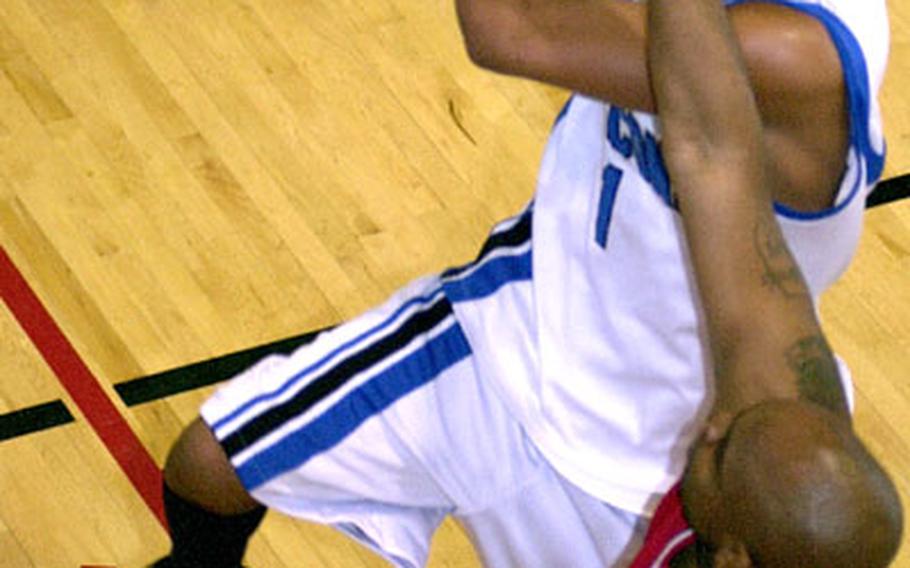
(371, 398)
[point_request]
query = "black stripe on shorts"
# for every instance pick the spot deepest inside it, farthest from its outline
(516, 235)
(334, 378)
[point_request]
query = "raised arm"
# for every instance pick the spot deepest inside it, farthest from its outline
(758, 490)
(597, 47)
(765, 339)
(591, 46)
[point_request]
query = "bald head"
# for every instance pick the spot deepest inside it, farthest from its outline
(800, 489)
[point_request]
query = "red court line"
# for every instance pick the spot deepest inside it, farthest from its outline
(82, 385)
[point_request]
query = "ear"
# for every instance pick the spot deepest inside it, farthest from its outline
(732, 555)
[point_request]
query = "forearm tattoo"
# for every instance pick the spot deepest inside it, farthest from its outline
(779, 270)
(817, 378)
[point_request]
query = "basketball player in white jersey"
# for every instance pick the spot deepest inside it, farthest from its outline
(546, 394)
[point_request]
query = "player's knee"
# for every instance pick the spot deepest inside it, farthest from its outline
(198, 469)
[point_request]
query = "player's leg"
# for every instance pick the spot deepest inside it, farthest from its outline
(318, 435)
(211, 515)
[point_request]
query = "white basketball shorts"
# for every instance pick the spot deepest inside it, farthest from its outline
(381, 427)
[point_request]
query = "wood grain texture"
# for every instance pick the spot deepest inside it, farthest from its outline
(182, 179)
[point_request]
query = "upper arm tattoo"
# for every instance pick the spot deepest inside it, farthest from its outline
(817, 378)
(779, 269)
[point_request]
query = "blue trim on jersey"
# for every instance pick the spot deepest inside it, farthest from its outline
(317, 366)
(785, 211)
(856, 79)
(489, 277)
(368, 400)
(564, 111)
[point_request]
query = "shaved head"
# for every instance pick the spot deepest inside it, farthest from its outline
(800, 489)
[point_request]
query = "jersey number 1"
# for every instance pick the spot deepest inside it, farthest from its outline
(611, 178)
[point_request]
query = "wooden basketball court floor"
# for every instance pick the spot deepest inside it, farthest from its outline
(180, 180)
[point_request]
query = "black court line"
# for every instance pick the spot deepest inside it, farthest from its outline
(196, 375)
(203, 373)
(889, 190)
(34, 419)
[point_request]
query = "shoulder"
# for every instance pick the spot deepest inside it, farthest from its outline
(787, 46)
(799, 84)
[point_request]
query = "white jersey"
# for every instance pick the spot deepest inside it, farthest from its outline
(583, 311)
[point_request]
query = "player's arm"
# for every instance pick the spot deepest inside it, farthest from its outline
(597, 47)
(594, 47)
(765, 339)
